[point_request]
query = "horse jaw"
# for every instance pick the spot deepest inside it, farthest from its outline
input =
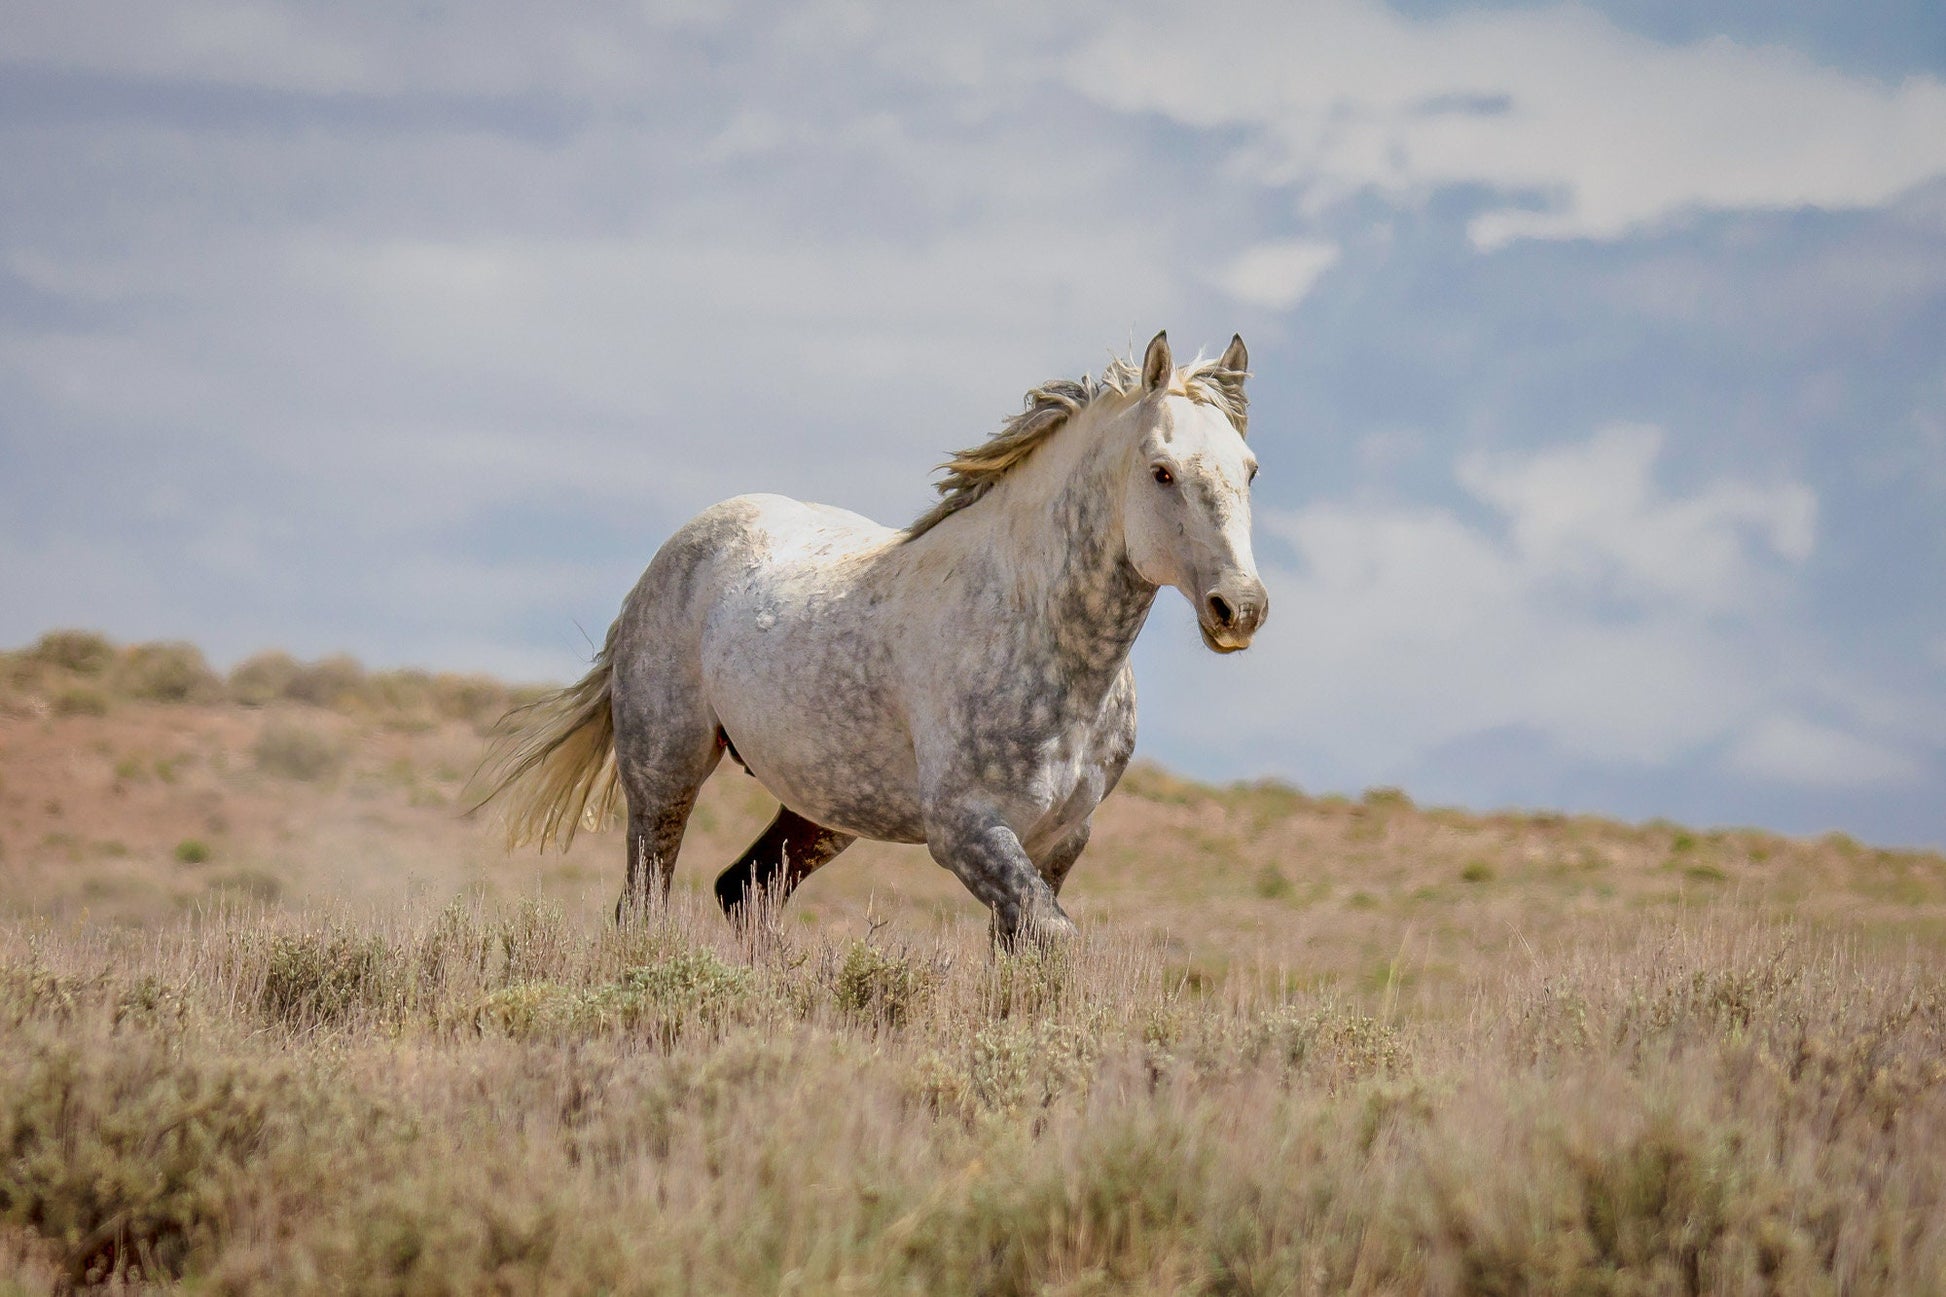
(1216, 646)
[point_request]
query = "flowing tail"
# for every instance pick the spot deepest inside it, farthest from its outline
(555, 760)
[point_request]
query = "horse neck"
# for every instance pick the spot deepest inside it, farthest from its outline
(1058, 533)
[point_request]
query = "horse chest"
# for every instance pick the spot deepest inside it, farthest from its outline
(1051, 755)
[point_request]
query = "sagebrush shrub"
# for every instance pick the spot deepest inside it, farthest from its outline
(889, 986)
(80, 651)
(165, 673)
(326, 977)
(477, 700)
(377, 1106)
(293, 751)
(262, 678)
(80, 700)
(332, 682)
(130, 1159)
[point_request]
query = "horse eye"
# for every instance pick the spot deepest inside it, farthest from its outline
(1162, 476)
(1253, 473)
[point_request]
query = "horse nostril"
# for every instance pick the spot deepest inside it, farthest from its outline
(1220, 609)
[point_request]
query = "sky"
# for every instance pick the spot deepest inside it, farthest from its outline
(1600, 389)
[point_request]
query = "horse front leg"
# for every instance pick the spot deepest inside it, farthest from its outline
(986, 855)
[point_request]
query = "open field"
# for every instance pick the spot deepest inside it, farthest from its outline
(275, 1017)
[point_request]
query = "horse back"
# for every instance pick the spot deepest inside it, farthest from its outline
(785, 612)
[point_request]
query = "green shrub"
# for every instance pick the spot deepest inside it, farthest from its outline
(192, 851)
(296, 752)
(1007, 1068)
(1334, 1044)
(1476, 871)
(248, 885)
(478, 700)
(882, 985)
(263, 678)
(1387, 799)
(336, 681)
(692, 978)
(20, 672)
(1271, 884)
(166, 673)
(80, 700)
(80, 651)
(407, 692)
(125, 1159)
(1029, 982)
(326, 977)
(687, 990)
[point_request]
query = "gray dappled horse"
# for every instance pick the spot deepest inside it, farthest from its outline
(963, 683)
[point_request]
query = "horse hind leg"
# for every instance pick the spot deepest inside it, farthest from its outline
(1055, 862)
(784, 855)
(662, 760)
(655, 833)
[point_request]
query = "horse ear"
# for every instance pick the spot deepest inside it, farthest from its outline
(1236, 357)
(1157, 365)
(1232, 369)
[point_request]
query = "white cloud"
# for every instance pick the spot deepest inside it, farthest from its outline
(499, 47)
(1622, 622)
(1277, 276)
(1606, 130)
(1598, 129)
(351, 307)
(1411, 629)
(1919, 456)
(1592, 513)
(1791, 750)
(656, 368)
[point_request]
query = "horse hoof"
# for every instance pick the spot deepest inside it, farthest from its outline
(1056, 931)
(1043, 932)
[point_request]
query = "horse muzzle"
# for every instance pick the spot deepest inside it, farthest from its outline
(1231, 612)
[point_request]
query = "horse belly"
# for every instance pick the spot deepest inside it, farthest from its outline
(804, 697)
(882, 814)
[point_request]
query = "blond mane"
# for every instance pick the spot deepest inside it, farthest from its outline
(970, 474)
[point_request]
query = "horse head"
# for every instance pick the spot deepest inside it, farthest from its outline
(1186, 507)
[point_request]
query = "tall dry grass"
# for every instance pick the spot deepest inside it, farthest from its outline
(1311, 1044)
(503, 1100)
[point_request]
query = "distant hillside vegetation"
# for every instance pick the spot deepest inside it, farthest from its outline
(137, 783)
(82, 673)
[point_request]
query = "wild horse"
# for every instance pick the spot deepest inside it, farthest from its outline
(963, 683)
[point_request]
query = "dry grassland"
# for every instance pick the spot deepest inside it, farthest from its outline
(275, 1017)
